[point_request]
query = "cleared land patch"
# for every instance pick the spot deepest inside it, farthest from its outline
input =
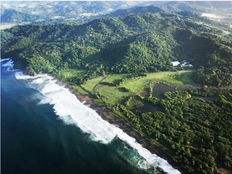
(114, 87)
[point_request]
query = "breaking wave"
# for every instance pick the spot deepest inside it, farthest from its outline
(72, 111)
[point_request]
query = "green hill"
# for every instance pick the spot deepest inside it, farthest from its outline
(124, 63)
(145, 42)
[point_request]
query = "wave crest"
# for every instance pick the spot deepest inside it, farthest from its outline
(72, 111)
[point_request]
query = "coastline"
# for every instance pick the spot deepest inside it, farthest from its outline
(110, 117)
(104, 113)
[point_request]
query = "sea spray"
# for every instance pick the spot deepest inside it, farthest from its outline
(7, 63)
(72, 111)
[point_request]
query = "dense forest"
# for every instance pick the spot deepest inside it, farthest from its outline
(137, 43)
(192, 125)
(198, 144)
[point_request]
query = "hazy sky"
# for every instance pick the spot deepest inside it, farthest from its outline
(108, 0)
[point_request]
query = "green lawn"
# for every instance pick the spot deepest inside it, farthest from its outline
(178, 78)
(90, 84)
(111, 94)
(80, 89)
(113, 77)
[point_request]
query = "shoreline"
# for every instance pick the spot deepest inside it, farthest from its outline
(110, 117)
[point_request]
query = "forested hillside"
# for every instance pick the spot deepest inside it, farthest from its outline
(124, 63)
(145, 42)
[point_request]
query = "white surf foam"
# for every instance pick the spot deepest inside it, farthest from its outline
(72, 111)
(9, 64)
(4, 59)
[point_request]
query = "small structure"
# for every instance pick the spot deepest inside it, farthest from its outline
(182, 64)
(185, 64)
(175, 63)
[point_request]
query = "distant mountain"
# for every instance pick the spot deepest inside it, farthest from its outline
(84, 11)
(10, 15)
(62, 11)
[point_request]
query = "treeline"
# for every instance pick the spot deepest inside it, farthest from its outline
(194, 127)
(195, 124)
(213, 69)
(145, 42)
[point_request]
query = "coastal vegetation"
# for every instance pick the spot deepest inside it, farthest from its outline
(135, 44)
(192, 124)
(125, 64)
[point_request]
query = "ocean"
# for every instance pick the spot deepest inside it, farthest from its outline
(46, 129)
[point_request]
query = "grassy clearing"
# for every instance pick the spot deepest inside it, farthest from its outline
(69, 73)
(114, 77)
(90, 84)
(184, 77)
(178, 78)
(80, 89)
(111, 94)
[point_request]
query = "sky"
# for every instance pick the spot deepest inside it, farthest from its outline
(105, 0)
